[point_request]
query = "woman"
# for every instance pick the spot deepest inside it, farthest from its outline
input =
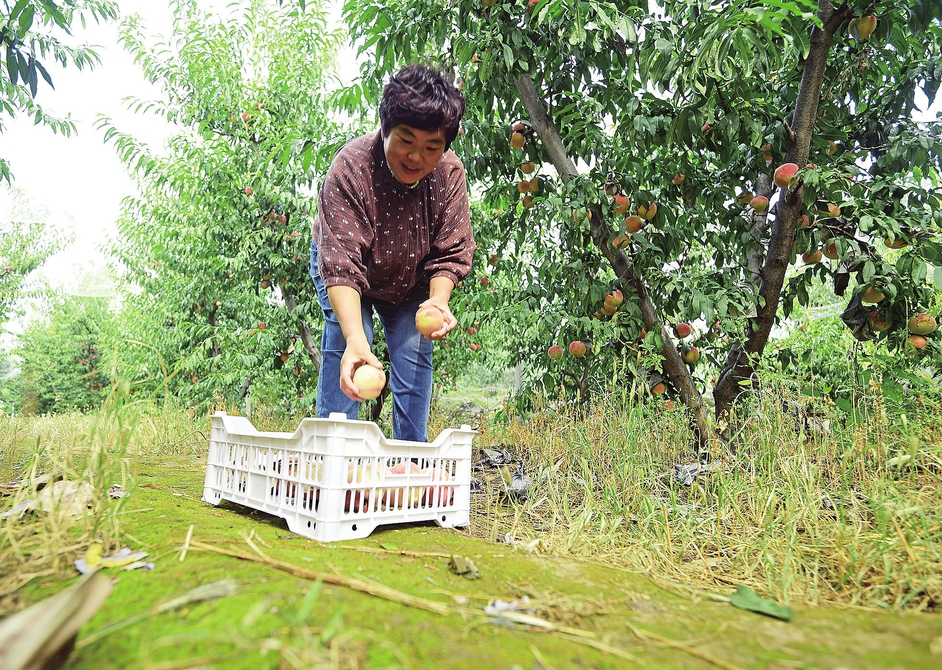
(392, 234)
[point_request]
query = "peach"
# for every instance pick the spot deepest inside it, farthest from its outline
(615, 298)
(577, 348)
(633, 224)
(759, 203)
(369, 381)
(871, 295)
(429, 319)
(916, 343)
(921, 324)
(784, 174)
(647, 212)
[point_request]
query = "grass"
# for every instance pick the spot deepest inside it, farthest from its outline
(815, 513)
(807, 512)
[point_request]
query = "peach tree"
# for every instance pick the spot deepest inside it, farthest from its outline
(633, 146)
(216, 244)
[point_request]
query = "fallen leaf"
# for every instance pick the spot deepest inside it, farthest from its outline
(93, 555)
(935, 646)
(464, 567)
(746, 599)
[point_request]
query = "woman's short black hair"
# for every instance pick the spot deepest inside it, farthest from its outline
(423, 98)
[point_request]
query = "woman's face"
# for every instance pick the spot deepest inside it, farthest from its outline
(413, 153)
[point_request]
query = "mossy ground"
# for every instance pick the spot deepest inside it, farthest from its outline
(275, 621)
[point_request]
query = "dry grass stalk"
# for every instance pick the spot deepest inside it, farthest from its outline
(646, 635)
(363, 586)
(795, 512)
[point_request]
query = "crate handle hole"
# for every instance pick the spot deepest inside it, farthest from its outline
(443, 517)
(354, 527)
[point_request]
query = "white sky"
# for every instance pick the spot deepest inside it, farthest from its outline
(79, 179)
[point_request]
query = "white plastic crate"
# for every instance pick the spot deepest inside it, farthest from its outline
(337, 479)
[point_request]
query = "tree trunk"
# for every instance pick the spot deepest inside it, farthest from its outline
(624, 270)
(307, 339)
(740, 365)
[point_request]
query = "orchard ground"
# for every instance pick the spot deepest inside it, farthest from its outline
(622, 565)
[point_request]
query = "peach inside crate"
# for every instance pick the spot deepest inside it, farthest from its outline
(337, 479)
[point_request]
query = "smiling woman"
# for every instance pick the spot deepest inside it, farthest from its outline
(393, 233)
(412, 154)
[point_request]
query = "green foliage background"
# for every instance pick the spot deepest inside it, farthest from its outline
(217, 304)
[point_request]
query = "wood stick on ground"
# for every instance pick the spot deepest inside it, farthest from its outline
(186, 542)
(645, 635)
(372, 588)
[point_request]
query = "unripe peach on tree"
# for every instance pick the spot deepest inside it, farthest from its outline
(615, 298)
(369, 381)
(921, 324)
(759, 203)
(647, 212)
(678, 179)
(517, 140)
(831, 211)
(871, 295)
(633, 224)
(863, 27)
(659, 389)
(527, 167)
(682, 330)
(555, 352)
(916, 343)
(690, 355)
(878, 323)
(811, 256)
(830, 250)
(621, 204)
(577, 348)
(621, 242)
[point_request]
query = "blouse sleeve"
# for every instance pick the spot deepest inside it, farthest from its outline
(344, 235)
(452, 245)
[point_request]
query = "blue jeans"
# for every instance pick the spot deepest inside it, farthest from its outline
(410, 361)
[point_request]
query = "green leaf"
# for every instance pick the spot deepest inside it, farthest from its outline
(937, 278)
(746, 599)
(844, 405)
(26, 20)
(508, 57)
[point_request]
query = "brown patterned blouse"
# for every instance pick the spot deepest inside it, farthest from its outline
(387, 240)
